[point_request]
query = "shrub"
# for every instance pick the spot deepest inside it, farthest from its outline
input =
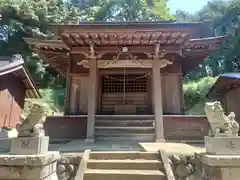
(52, 100)
(195, 92)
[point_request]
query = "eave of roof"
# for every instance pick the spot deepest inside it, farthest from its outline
(17, 66)
(225, 83)
(148, 24)
(193, 48)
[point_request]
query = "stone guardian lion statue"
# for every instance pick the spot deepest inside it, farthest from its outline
(32, 126)
(220, 123)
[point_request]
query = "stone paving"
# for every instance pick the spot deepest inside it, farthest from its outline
(171, 148)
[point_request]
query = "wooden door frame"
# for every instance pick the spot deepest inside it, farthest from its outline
(103, 72)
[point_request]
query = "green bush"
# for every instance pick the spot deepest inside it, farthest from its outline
(52, 100)
(195, 94)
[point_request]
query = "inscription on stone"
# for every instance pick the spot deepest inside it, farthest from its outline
(231, 145)
(26, 144)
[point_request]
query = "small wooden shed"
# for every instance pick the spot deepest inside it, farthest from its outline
(227, 91)
(15, 85)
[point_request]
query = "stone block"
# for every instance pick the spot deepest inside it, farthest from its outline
(219, 160)
(27, 172)
(223, 145)
(29, 145)
(52, 177)
(29, 160)
(5, 144)
(220, 167)
(29, 167)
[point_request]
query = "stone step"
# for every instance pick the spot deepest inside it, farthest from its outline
(124, 129)
(129, 123)
(125, 164)
(97, 174)
(123, 155)
(123, 137)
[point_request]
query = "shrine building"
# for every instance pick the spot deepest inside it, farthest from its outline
(125, 71)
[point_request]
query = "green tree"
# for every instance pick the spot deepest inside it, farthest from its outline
(224, 16)
(29, 18)
(123, 10)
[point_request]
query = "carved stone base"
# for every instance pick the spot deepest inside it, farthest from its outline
(29, 145)
(222, 145)
(219, 167)
(34, 167)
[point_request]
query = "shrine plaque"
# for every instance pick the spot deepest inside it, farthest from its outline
(29, 145)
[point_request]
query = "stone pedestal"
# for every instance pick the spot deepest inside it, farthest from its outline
(29, 145)
(220, 167)
(31, 167)
(223, 145)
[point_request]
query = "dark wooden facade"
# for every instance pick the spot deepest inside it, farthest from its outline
(15, 85)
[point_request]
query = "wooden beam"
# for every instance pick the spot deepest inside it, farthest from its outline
(75, 75)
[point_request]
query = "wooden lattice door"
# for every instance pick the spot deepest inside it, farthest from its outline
(129, 91)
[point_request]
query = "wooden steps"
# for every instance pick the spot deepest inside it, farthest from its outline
(128, 123)
(125, 128)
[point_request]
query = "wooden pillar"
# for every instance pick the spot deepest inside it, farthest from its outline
(157, 97)
(68, 86)
(92, 99)
(73, 99)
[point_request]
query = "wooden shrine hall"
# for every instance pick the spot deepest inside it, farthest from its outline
(126, 69)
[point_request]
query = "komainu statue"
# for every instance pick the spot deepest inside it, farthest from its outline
(220, 123)
(32, 126)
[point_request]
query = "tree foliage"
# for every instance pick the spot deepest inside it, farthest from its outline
(123, 10)
(29, 18)
(224, 16)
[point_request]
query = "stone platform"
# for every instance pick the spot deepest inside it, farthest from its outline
(81, 146)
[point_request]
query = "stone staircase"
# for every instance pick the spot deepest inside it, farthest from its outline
(125, 128)
(124, 166)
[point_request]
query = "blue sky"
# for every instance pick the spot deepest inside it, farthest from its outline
(190, 6)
